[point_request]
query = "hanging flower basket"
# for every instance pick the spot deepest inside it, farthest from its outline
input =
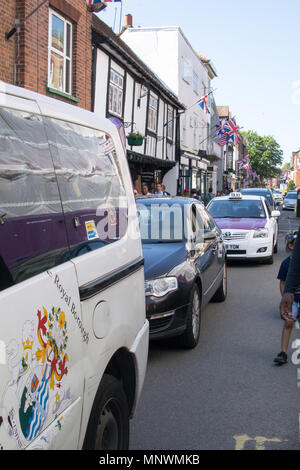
(134, 139)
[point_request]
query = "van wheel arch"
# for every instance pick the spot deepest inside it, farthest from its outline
(122, 367)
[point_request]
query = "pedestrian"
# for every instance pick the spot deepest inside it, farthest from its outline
(292, 281)
(145, 190)
(209, 196)
(186, 192)
(164, 190)
(194, 194)
(159, 190)
(291, 315)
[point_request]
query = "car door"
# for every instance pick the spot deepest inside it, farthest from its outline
(41, 384)
(272, 222)
(206, 247)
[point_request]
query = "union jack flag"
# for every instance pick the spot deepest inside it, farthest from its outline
(222, 127)
(242, 163)
(233, 130)
(203, 104)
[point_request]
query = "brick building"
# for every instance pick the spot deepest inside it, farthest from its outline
(51, 52)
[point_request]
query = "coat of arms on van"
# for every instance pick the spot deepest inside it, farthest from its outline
(37, 366)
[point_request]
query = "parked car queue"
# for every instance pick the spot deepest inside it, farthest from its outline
(84, 269)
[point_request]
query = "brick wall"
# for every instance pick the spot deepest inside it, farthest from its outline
(31, 63)
(7, 48)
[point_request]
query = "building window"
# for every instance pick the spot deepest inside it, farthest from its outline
(60, 53)
(187, 70)
(195, 134)
(170, 122)
(151, 146)
(116, 88)
(195, 82)
(152, 113)
(184, 136)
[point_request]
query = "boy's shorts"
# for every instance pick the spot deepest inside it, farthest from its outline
(296, 310)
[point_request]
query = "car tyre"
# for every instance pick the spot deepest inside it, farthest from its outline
(221, 293)
(108, 427)
(190, 337)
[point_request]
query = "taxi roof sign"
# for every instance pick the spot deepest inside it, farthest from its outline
(235, 195)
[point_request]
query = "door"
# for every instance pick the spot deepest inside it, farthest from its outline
(41, 384)
(208, 261)
(108, 262)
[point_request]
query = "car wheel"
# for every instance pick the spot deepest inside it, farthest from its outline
(190, 337)
(108, 427)
(221, 293)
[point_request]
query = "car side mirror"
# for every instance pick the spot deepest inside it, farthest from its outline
(275, 214)
(210, 235)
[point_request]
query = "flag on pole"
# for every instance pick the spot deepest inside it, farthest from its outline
(222, 139)
(203, 104)
(222, 127)
(233, 130)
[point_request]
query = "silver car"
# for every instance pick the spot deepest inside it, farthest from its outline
(290, 200)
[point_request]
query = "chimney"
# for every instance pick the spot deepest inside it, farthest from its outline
(128, 21)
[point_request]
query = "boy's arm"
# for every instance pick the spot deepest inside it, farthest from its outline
(281, 287)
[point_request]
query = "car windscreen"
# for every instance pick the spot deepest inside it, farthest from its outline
(254, 192)
(291, 196)
(237, 209)
(161, 222)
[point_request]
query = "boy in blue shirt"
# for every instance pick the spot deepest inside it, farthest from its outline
(289, 319)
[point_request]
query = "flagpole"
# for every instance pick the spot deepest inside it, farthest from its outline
(199, 99)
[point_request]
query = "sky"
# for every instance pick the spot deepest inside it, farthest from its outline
(254, 46)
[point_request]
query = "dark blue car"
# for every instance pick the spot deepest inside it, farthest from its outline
(185, 265)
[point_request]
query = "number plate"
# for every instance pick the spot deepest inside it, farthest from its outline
(232, 247)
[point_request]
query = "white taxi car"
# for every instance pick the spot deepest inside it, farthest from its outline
(249, 227)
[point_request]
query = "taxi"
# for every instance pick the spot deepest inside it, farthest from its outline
(249, 227)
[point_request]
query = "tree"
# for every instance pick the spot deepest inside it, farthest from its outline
(290, 186)
(286, 166)
(265, 154)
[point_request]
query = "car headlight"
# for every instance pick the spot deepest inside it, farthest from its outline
(161, 286)
(261, 233)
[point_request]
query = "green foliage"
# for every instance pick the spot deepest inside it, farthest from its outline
(286, 166)
(265, 154)
(290, 185)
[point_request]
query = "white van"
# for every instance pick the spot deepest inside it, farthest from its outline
(73, 331)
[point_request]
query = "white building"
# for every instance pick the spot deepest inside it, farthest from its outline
(169, 54)
(126, 90)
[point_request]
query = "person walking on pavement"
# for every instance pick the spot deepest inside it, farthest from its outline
(209, 196)
(292, 281)
(292, 314)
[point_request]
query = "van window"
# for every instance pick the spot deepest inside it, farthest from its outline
(32, 230)
(90, 184)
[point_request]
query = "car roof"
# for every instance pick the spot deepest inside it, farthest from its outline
(266, 190)
(154, 199)
(251, 197)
